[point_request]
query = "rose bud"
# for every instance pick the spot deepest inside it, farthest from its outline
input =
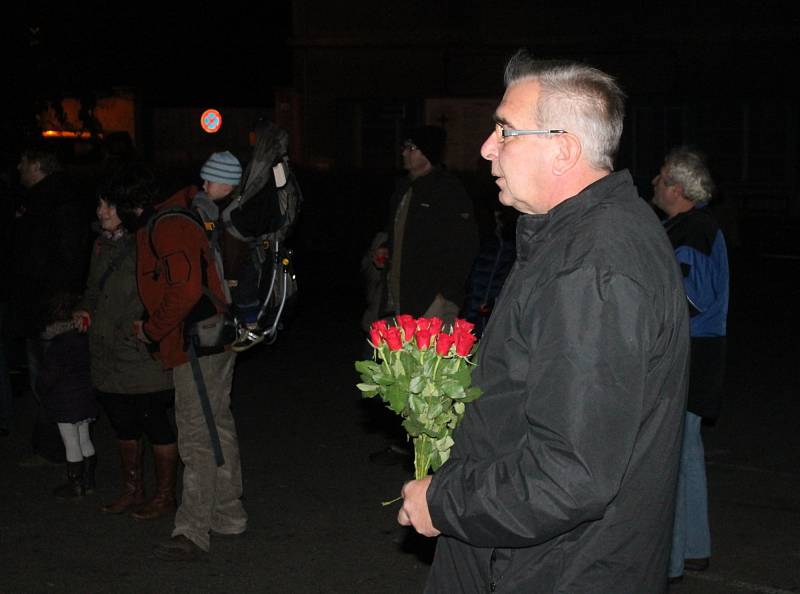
(443, 344)
(393, 338)
(464, 341)
(423, 338)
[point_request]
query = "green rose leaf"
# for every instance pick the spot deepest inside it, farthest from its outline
(472, 394)
(416, 384)
(367, 367)
(397, 398)
(453, 389)
(463, 376)
(413, 428)
(370, 389)
(416, 404)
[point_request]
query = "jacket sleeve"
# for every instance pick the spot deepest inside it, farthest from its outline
(179, 244)
(698, 278)
(581, 384)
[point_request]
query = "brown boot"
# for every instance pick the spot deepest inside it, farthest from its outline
(130, 453)
(166, 463)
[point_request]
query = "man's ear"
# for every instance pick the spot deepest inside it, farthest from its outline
(568, 153)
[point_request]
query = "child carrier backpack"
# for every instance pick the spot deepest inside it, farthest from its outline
(263, 214)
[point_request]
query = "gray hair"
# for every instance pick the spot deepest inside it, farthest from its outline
(688, 168)
(578, 98)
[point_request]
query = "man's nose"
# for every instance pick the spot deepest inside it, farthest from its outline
(489, 147)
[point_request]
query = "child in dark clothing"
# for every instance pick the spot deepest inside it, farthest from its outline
(65, 388)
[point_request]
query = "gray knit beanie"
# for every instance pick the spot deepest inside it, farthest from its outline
(222, 168)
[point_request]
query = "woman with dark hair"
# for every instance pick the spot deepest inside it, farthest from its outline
(134, 389)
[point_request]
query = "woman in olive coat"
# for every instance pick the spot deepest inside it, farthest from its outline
(134, 389)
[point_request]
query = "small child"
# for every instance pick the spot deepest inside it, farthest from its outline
(65, 387)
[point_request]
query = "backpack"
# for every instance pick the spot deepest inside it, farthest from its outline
(209, 331)
(263, 214)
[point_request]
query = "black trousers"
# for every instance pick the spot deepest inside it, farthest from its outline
(134, 415)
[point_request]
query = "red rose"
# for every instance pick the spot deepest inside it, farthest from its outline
(443, 344)
(404, 318)
(393, 338)
(464, 341)
(423, 339)
(409, 326)
(380, 326)
(464, 325)
(423, 324)
(375, 337)
(436, 325)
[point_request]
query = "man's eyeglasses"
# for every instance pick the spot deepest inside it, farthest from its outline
(502, 132)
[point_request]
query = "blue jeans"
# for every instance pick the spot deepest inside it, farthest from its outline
(691, 537)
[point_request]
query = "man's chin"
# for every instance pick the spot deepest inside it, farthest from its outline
(504, 198)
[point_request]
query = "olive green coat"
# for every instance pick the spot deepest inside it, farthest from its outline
(121, 364)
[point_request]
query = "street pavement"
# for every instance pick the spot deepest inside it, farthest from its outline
(316, 522)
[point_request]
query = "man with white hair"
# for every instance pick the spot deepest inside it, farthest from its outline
(682, 189)
(562, 478)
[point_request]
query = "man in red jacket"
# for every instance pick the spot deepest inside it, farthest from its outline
(180, 283)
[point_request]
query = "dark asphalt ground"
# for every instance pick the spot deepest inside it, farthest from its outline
(316, 523)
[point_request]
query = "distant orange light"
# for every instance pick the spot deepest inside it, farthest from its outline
(66, 134)
(211, 121)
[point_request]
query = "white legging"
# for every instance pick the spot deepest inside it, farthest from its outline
(77, 441)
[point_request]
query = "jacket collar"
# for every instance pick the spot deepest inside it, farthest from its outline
(532, 229)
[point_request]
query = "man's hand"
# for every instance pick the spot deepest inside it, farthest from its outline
(138, 331)
(415, 507)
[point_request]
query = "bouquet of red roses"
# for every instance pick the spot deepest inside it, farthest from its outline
(424, 374)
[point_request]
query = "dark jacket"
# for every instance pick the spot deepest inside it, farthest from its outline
(701, 252)
(439, 241)
(49, 254)
(489, 272)
(121, 364)
(63, 382)
(563, 474)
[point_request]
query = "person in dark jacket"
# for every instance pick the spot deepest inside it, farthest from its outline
(48, 257)
(66, 391)
(682, 189)
(562, 477)
(432, 239)
(432, 235)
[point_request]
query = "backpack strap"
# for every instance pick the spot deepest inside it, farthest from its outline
(173, 211)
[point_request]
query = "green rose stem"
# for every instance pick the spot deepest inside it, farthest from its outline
(423, 452)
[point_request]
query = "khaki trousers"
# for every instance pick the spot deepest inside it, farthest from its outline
(211, 494)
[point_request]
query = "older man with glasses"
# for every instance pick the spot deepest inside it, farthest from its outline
(562, 478)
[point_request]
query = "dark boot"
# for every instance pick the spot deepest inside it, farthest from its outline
(73, 488)
(166, 464)
(89, 465)
(130, 453)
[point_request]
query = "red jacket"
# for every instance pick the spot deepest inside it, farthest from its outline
(171, 285)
